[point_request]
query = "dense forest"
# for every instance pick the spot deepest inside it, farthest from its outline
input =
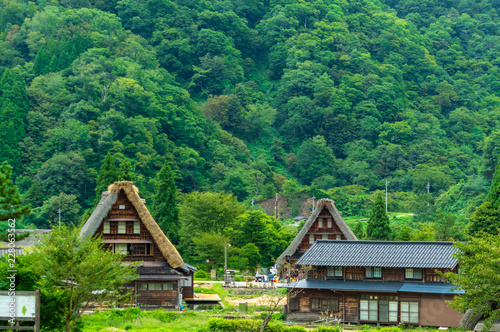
(301, 98)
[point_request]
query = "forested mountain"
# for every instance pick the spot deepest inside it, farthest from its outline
(325, 98)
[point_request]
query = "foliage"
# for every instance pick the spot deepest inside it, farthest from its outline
(10, 199)
(107, 175)
(164, 208)
(478, 276)
(80, 269)
(378, 227)
(485, 218)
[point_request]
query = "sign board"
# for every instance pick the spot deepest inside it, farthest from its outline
(21, 306)
(24, 306)
(213, 274)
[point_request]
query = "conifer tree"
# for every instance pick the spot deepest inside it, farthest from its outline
(486, 218)
(41, 63)
(10, 199)
(359, 230)
(164, 207)
(126, 173)
(107, 175)
(378, 225)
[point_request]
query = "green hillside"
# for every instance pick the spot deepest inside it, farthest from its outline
(324, 98)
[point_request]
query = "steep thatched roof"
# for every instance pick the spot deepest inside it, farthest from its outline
(322, 203)
(109, 198)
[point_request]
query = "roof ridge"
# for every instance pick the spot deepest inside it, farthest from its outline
(384, 242)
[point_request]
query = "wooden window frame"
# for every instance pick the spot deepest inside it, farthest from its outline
(122, 227)
(137, 227)
(412, 271)
(106, 227)
(294, 303)
(329, 223)
(372, 269)
(403, 312)
(311, 238)
(320, 223)
(372, 306)
(335, 270)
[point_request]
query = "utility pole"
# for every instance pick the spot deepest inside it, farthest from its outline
(428, 186)
(59, 211)
(386, 195)
(276, 207)
(314, 198)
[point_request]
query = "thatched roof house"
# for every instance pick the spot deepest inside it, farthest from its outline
(325, 223)
(127, 227)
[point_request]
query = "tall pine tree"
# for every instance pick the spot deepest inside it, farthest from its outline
(10, 199)
(126, 173)
(107, 175)
(486, 218)
(164, 207)
(378, 226)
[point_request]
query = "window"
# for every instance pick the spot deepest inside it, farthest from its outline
(294, 303)
(334, 271)
(148, 249)
(329, 223)
(121, 227)
(368, 310)
(154, 286)
(311, 238)
(373, 272)
(130, 227)
(324, 237)
(121, 248)
(324, 304)
(121, 207)
(168, 286)
(107, 229)
(409, 312)
(338, 237)
(314, 304)
(137, 227)
(388, 311)
(320, 223)
(186, 282)
(413, 273)
(113, 226)
(142, 286)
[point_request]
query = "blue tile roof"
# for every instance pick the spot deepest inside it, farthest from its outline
(377, 286)
(380, 254)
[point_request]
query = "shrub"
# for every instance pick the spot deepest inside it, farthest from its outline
(127, 327)
(200, 274)
(390, 329)
(329, 329)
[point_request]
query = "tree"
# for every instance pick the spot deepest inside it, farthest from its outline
(107, 175)
(478, 276)
(487, 215)
(359, 230)
(209, 212)
(125, 173)
(82, 270)
(378, 225)
(10, 199)
(164, 208)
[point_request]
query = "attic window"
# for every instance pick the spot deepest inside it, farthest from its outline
(337, 237)
(121, 207)
(311, 238)
(329, 223)
(107, 229)
(122, 227)
(320, 223)
(137, 227)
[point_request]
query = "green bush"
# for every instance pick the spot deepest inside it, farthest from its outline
(329, 329)
(127, 327)
(200, 274)
(247, 325)
(390, 329)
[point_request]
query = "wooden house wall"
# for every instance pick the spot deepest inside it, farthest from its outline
(433, 308)
(318, 232)
(157, 297)
(130, 215)
(388, 274)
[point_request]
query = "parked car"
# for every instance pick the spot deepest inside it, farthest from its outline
(259, 276)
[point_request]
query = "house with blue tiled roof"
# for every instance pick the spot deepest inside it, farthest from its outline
(376, 282)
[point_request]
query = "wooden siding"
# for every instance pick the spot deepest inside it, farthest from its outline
(157, 297)
(330, 232)
(129, 215)
(433, 308)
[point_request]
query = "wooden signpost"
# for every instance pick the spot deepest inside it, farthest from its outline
(23, 306)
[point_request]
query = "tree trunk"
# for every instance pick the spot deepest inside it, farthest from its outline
(266, 321)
